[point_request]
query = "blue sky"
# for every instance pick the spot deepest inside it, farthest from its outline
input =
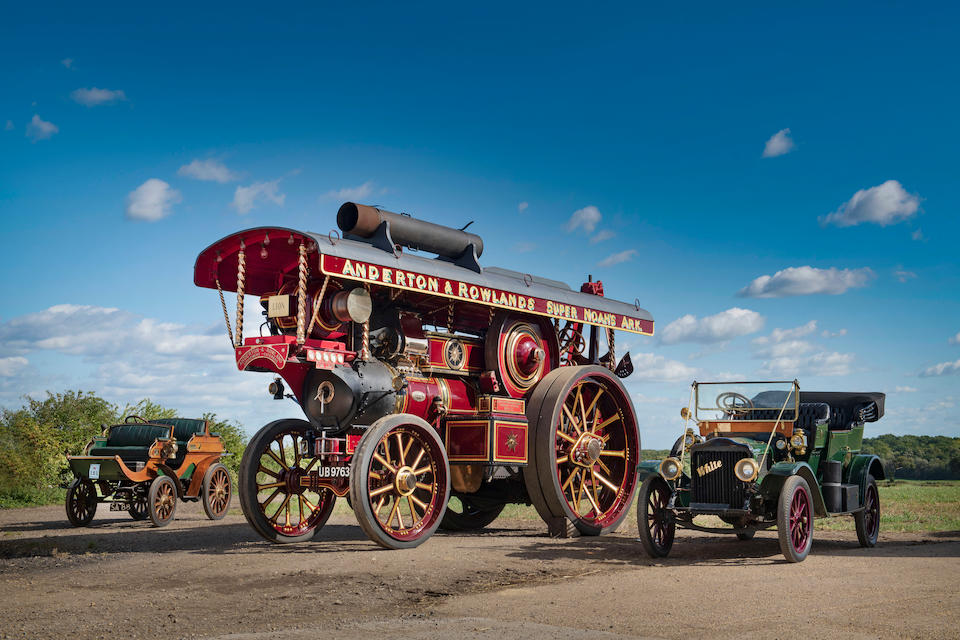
(706, 152)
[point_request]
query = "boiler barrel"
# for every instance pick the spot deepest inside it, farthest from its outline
(362, 220)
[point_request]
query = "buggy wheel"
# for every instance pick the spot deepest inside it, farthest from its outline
(795, 519)
(655, 522)
(138, 508)
(273, 502)
(162, 501)
(216, 491)
(867, 520)
(81, 502)
(464, 514)
(584, 448)
(399, 481)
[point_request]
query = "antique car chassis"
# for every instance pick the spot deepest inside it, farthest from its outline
(778, 459)
(435, 390)
(143, 467)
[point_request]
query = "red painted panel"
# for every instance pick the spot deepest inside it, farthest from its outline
(467, 440)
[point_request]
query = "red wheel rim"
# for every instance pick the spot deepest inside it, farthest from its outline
(801, 520)
(596, 485)
(406, 481)
(871, 512)
(289, 508)
(657, 519)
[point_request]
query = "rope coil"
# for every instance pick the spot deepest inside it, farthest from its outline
(241, 285)
(302, 296)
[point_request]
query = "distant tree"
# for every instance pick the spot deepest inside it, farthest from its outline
(917, 457)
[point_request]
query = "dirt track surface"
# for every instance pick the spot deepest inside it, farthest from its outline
(196, 578)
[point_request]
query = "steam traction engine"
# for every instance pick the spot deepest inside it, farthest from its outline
(425, 381)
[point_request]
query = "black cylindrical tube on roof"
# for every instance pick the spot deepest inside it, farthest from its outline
(362, 220)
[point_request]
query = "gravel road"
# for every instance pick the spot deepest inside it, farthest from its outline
(195, 578)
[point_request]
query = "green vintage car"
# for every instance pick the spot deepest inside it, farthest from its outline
(765, 455)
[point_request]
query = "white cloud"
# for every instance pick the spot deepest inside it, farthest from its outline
(39, 129)
(522, 206)
(11, 366)
(902, 275)
(67, 62)
(884, 204)
(651, 367)
(779, 144)
(601, 236)
(779, 335)
(942, 369)
(209, 170)
(8, 126)
(818, 364)
(352, 194)
(834, 334)
(244, 198)
(587, 218)
(524, 247)
(805, 281)
(918, 235)
(617, 258)
(955, 339)
(905, 389)
(719, 327)
(93, 96)
(151, 201)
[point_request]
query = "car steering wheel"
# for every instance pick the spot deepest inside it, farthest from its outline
(734, 403)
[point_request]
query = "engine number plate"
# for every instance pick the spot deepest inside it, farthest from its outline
(94, 473)
(119, 506)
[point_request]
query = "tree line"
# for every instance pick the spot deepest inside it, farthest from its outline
(917, 457)
(36, 439)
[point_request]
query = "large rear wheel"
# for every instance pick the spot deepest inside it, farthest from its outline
(399, 481)
(274, 503)
(867, 520)
(81, 502)
(585, 448)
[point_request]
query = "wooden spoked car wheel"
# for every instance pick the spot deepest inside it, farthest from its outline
(162, 501)
(399, 481)
(274, 503)
(795, 519)
(867, 520)
(216, 491)
(585, 448)
(81, 502)
(654, 520)
(138, 508)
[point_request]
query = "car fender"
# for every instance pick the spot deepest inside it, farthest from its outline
(646, 468)
(860, 467)
(772, 483)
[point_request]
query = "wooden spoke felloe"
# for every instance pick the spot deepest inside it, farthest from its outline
(400, 481)
(81, 502)
(585, 448)
(216, 491)
(162, 500)
(273, 500)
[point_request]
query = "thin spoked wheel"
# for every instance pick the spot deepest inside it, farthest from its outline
(272, 493)
(654, 520)
(216, 491)
(465, 513)
(138, 508)
(795, 519)
(583, 464)
(162, 501)
(399, 481)
(867, 520)
(81, 502)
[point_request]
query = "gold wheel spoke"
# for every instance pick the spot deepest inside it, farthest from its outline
(386, 450)
(389, 523)
(419, 458)
(421, 470)
(615, 454)
(379, 506)
(563, 460)
(404, 453)
(385, 462)
(597, 475)
(569, 479)
(300, 506)
(272, 474)
(283, 505)
(310, 466)
(283, 453)
(272, 485)
(420, 503)
(276, 459)
(382, 490)
(609, 420)
(605, 468)
(400, 516)
(569, 439)
(401, 449)
(593, 501)
(423, 485)
(310, 505)
(593, 402)
(296, 451)
(573, 421)
(583, 409)
(263, 505)
(413, 512)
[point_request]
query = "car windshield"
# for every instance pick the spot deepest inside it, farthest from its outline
(746, 400)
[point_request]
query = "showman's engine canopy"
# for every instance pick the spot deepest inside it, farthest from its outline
(425, 377)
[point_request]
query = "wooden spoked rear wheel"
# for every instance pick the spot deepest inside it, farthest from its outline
(274, 503)
(138, 507)
(216, 491)
(867, 520)
(399, 481)
(162, 501)
(585, 448)
(81, 502)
